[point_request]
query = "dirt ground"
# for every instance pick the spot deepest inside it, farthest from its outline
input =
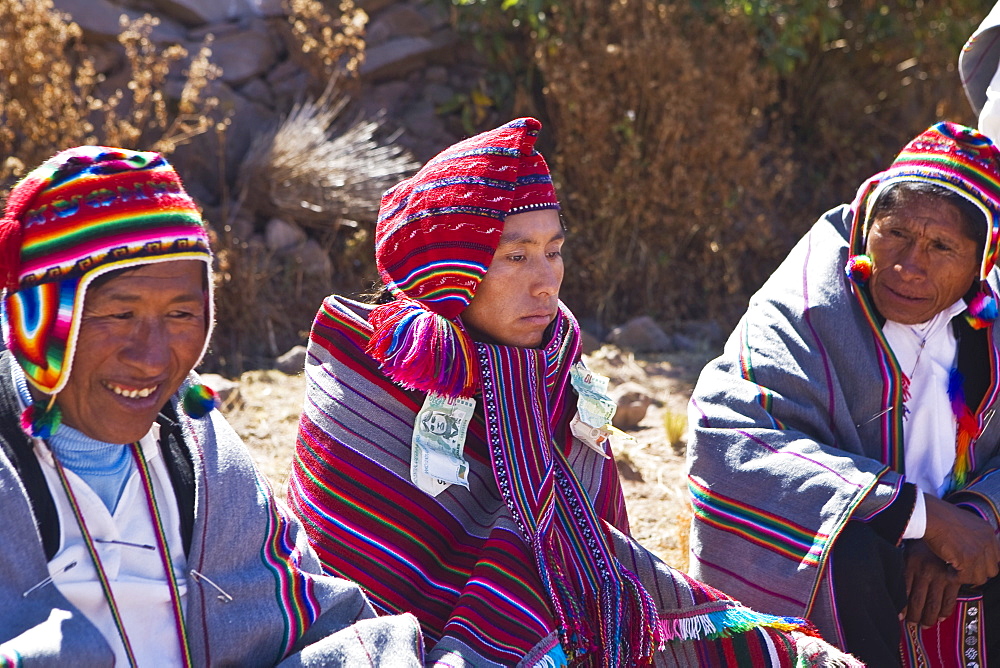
(652, 467)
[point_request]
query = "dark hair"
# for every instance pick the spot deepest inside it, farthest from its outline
(379, 294)
(898, 195)
(115, 273)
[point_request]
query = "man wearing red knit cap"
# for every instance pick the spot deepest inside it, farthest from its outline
(136, 529)
(453, 455)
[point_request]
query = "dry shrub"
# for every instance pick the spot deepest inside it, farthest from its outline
(890, 73)
(49, 97)
(329, 44)
(303, 171)
(662, 156)
(329, 181)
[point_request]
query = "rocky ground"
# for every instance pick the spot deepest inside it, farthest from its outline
(265, 412)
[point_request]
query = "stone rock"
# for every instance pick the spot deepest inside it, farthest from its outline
(588, 343)
(376, 34)
(633, 401)
(281, 235)
(387, 96)
(438, 94)
(216, 30)
(706, 333)
(247, 120)
(288, 81)
(422, 120)
(99, 21)
(198, 12)
(641, 335)
(627, 468)
(435, 14)
(293, 362)
(402, 20)
(267, 8)
(243, 55)
(228, 390)
(436, 74)
(373, 6)
(256, 90)
(396, 58)
(315, 261)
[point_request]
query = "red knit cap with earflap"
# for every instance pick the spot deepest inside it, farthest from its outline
(434, 241)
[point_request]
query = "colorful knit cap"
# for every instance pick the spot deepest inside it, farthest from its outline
(951, 156)
(84, 212)
(435, 238)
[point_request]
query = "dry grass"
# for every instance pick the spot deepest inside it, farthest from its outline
(665, 159)
(652, 469)
(329, 45)
(51, 98)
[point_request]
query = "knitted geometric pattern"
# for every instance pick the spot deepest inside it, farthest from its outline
(437, 231)
(84, 212)
(949, 155)
(434, 240)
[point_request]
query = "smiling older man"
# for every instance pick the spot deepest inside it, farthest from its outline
(136, 529)
(498, 520)
(844, 452)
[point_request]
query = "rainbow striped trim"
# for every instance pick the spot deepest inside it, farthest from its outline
(293, 587)
(757, 526)
(9, 658)
(764, 396)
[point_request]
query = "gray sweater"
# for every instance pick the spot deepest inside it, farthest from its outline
(283, 610)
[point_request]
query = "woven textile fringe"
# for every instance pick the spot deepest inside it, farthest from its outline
(968, 430)
(982, 309)
(41, 421)
(421, 350)
(728, 622)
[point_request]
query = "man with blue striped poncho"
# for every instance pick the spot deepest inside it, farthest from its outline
(843, 459)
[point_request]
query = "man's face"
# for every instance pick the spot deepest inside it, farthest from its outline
(923, 260)
(518, 297)
(140, 335)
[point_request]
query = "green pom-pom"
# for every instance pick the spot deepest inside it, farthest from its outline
(199, 401)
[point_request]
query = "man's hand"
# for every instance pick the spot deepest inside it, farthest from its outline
(962, 540)
(931, 585)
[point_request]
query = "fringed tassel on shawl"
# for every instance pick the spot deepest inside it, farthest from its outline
(967, 432)
(629, 631)
(729, 621)
(421, 350)
(41, 421)
(982, 309)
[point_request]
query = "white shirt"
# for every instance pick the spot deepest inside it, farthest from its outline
(926, 353)
(135, 573)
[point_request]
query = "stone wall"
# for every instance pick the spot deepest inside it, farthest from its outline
(414, 62)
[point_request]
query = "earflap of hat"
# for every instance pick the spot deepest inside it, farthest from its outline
(422, 350)
(42, 322)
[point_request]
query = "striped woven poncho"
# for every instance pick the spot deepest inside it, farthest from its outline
(459, 561)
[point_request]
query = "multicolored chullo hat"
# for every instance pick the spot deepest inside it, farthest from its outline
(435, 238)
(85, 212)
(954, 157)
